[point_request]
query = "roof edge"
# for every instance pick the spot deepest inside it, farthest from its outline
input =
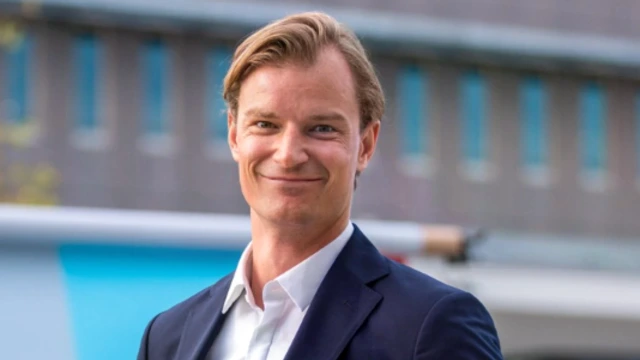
(396, 34)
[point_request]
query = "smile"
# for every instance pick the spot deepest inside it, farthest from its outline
(291, 179)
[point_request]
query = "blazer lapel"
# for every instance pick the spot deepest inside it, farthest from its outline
(343, 302)
(204, 323)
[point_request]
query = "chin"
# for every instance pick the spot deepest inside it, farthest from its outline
(288, 214)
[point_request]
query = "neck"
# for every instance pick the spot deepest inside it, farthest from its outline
(277, 248)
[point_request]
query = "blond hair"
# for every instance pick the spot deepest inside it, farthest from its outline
(298, 39)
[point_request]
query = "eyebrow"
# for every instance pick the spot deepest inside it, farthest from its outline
(270, 115)
(257, 113)
(329, 116)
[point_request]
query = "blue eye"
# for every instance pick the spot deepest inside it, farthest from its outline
(264, 124)
(324, 128)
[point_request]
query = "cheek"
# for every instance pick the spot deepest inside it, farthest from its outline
(251, 150)
(248, 159)
(340, 161)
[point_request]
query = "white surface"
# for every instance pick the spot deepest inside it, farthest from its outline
(34, 321)
(552, 309)
(55, 225)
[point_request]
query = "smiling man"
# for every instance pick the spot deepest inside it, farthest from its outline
(304, 111)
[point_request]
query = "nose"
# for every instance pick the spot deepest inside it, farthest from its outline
(291, 148)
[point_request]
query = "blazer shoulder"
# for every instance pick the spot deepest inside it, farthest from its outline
(163, 333)
(178, 314)
(406, 281)
(398, 283)
(447, 317)
(458, 327)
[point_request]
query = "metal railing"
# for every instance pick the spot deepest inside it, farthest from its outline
(28, 224)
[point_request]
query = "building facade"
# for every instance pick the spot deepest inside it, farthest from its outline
(518, 115)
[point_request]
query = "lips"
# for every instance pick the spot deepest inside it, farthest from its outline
(292, 179)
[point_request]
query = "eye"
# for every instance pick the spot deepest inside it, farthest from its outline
(264, 125)
(324, 129)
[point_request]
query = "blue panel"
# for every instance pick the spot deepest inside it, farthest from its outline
(18, 60)
(86, 57)
(218, 65)
(533, 115)
(113, 292)
(155, 86)
(474, 127)
(412, 95)
(593, 145)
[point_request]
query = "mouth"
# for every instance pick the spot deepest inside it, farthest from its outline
(292, 180)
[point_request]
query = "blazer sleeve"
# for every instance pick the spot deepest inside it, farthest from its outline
(458, 327)
(143, 352)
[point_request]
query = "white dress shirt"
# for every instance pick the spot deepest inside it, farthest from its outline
(250, 333)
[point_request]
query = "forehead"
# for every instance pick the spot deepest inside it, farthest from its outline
(326, 82)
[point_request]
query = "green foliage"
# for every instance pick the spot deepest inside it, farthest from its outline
(22, 183)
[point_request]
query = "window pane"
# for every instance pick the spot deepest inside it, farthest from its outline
(18, 58)
(155, 86)
(86, 57)
(534, 136)
(413, 115)
(593, 128)
(473, 111)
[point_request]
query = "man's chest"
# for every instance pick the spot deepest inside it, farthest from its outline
(252, 334)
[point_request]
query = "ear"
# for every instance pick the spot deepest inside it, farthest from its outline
(368, 142)
(232, 134)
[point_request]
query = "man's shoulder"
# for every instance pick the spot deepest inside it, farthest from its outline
(408, 285)
(178, 313)
(440, 318)
(403, 286)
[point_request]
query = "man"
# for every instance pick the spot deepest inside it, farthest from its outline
(304, 110)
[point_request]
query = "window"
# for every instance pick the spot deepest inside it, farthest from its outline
(87, 55)
(414, 121)
(17, 97)
(475, 134)
(534, 130)
(218, 62)
(155, 87)
(593, 135)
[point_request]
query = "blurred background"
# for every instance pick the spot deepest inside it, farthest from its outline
(120, 198)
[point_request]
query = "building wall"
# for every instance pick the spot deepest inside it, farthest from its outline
(186, 170)
(607, 18)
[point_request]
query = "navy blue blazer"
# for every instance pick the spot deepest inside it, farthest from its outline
(367, 307)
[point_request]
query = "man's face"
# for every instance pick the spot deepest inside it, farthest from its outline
(297, 140)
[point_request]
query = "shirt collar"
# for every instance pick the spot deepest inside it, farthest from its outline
(300, 282)
(239, 280)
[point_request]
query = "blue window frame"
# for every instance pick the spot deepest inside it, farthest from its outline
(17, 69)
(155, 84)
(87, 55)
(593, 131)
(219, 60)
(475, 135)
(414, 121)
(534, 126)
